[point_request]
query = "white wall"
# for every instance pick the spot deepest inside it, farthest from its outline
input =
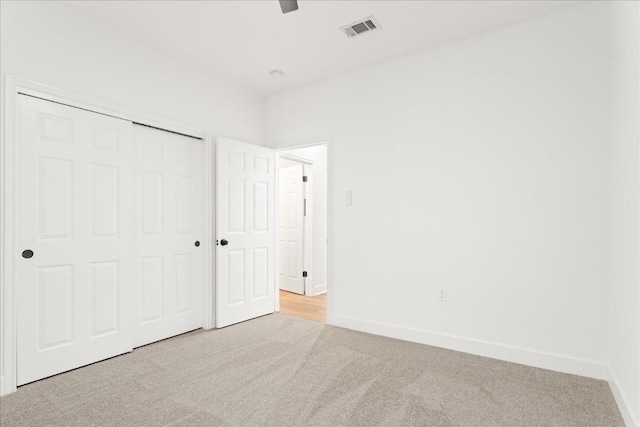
(51, 43)
(318, 155)
(479, 167)
(624, 312)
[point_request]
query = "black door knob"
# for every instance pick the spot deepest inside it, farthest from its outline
(28, 253)
(223, 242)
(197, 243)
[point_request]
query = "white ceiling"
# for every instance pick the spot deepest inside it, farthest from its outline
(244, 40)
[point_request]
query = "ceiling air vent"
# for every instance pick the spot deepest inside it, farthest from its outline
(363, 26)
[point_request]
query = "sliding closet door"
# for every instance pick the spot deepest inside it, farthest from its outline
(169, 226)
(74, 238)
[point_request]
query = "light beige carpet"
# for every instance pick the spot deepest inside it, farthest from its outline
(283, 371)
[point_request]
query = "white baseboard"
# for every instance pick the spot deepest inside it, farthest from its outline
(622, 401)
(6, 387)
(320, 289)
(494, 350)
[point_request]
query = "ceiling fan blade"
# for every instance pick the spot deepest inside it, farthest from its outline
(288, 5)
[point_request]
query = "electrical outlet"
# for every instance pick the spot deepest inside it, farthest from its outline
(442, 294)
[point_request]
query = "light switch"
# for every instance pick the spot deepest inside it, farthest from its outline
(348, 199)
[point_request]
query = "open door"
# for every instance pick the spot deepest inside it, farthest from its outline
(291, 213)
(245, 232)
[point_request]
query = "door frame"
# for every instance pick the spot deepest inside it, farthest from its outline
(307, 221)
(15, 85)
(327, 142)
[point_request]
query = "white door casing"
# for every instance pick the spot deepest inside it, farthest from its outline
(291, 229)
(169, 222)
(245, 218)
(74, 204)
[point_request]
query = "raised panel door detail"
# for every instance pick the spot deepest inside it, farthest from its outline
(183, 204)
(235, 276)
(151, 288)
(292, 210)
(105, 138)
(236, 160)
(282, 208)
(260, 206)
(55, 188)
(184, 285)
(282, 258)
(261, 164)
(152, 149)
(183, 154)
(105, 284)
(293, 260)
(236, 207)
(56, 128)
(104, 200)
(151, 199)
(55, 306)
(260, 272)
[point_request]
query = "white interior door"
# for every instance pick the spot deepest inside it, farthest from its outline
(169, 226)
(291, 229)
(245, 229)
(74, 209)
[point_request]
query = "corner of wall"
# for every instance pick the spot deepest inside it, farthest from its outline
(624, 286)
(622, 400)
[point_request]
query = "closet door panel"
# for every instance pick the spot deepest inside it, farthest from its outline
(169, 222)
(74, 235)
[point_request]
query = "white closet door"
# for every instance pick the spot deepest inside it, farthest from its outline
(73, 210)
(169, 222)
(245, 228)
(291, 229)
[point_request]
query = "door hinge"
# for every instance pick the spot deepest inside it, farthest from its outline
(304, 274)
(304, 179)
(304, 208)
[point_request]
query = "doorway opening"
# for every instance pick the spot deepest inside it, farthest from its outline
(301, 232)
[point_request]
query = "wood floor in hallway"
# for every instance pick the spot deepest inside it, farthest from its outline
(305, 307)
